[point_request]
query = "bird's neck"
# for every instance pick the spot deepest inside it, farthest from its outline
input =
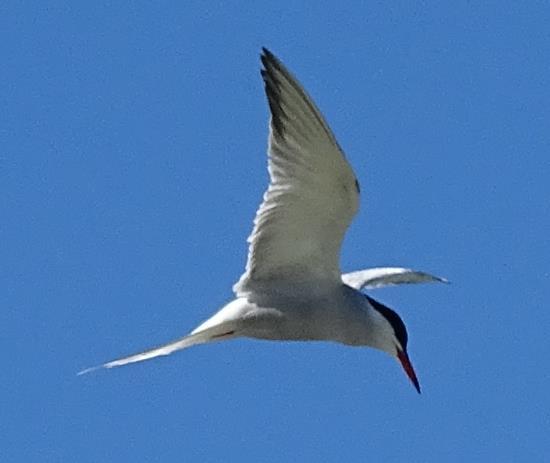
(368, 326)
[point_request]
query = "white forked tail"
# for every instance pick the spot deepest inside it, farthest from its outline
(216, 333)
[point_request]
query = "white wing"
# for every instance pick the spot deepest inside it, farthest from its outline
(312, 195)
(387, 276)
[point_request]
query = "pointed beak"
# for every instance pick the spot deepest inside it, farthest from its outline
(407, 366)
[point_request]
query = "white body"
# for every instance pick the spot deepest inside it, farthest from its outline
(340, 314)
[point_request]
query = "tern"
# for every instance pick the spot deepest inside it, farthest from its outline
(292, 288)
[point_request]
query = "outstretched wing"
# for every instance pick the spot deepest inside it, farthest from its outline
(387, 276)
(312, 195)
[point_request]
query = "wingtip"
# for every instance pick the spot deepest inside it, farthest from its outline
(266, 53)
(264, 56)
(430, 277)
(269, 60)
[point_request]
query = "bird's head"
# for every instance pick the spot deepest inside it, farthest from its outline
(391, 337)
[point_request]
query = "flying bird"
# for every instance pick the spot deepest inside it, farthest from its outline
(292, 288)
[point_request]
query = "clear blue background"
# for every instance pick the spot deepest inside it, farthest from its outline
(132, 160)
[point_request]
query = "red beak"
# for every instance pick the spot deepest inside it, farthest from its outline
(407, 366)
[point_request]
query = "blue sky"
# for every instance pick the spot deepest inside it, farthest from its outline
(132, 161)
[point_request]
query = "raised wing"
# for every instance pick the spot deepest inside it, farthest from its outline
(387, 276)
(312, 195)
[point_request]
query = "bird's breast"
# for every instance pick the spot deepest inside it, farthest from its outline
(327, 318)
